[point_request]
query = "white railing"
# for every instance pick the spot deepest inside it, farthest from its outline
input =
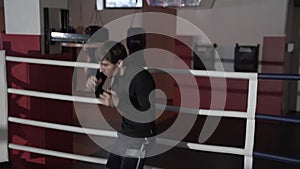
(58, 154)
(247, 151)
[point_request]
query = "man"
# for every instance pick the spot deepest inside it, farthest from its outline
(132, 93)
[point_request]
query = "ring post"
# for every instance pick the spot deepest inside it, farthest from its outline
(3, 110)
(250, 125)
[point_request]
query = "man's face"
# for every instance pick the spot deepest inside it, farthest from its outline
(108, 68)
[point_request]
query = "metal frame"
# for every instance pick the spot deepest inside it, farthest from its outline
(247, 151)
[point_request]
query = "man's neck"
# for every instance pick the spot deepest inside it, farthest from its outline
(122, 70)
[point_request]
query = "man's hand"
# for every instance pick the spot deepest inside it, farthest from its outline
(109, 98)
(92, 82)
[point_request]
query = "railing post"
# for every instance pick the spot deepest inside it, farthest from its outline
(3, 110)
(250, 125)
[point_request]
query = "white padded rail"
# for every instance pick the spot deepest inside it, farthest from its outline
(202, 147)
(62, 127)
(78, 157)
(58, 154)
(205, 112)
(52, 62)
(53, 96)
(222, 113)
(113, 134)
(218, 74)
(216, 149)
(247, 152)
(3, 109)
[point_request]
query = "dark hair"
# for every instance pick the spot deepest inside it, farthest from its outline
(111, 51)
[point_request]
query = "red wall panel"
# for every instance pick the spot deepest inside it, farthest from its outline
(40, 78)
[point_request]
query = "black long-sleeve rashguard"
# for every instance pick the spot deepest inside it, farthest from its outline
(133, 89)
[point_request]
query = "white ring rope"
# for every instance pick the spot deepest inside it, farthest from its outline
(206, 73)
(223, 113)
(53, 96)
(58, 154)
(105, 133)
(96, 66)
(249, 115)
(217, 149)
(52, 62)
(74, 129)
(205, 112)
(78, 157)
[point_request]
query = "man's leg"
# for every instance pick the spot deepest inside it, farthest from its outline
(132, 163)
(114, 161)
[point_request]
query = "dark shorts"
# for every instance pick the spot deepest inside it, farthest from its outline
(128, 153)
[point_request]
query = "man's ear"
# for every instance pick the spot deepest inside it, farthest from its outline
(120, 63)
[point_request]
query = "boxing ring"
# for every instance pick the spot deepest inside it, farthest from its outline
(249, 115)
